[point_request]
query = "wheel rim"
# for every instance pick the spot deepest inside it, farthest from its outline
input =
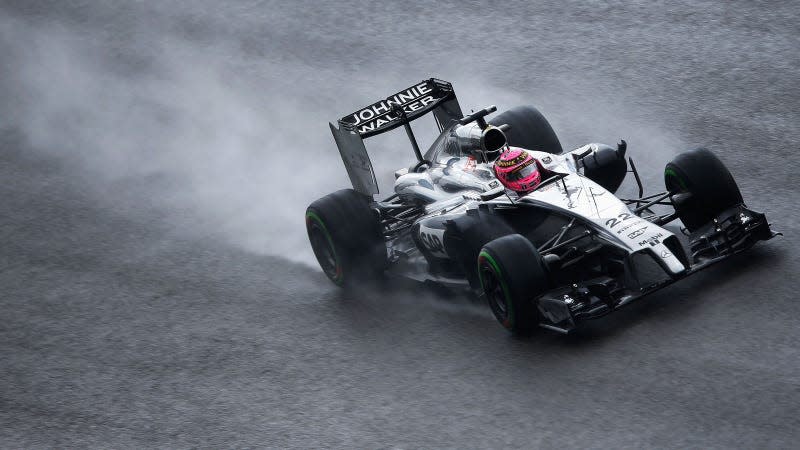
(495, 289)
(324, 251)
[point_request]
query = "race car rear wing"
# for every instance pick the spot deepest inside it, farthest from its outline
(385, 115)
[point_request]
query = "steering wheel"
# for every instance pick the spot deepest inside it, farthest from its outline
(419, 165)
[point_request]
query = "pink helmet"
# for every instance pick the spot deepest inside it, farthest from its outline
(518, 171)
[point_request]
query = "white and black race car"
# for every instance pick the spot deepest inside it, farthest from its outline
(566, 252)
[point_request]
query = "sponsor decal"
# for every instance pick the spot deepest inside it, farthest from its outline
(547, 160)
(570, 190)
(596, 194)
(471, 164)
(519, 159)
(493, 184)
(636, 233)
(432, 242)
(380, 115)
(432, 239)
(665, 254)
(652, 240)
(629, 226)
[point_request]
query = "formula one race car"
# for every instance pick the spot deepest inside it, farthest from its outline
(568, 251)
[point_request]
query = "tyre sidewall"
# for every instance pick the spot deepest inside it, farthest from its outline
(352, 229)
(711, 185)
(520, 271)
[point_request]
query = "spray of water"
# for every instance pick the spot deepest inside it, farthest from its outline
(230, 145)
(227, 157)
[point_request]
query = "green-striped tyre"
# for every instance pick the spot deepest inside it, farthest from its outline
(700, 173)
(346, 237)
(513, 276)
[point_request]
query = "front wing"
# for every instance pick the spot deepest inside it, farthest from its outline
(731, 232)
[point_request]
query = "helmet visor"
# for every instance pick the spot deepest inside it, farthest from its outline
(523, 173)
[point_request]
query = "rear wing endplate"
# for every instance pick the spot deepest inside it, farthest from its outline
(356, 160)
(429, 95)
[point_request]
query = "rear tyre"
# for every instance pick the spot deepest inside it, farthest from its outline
(529, 129)
(711, 187)
(345, 235)
(512, 276)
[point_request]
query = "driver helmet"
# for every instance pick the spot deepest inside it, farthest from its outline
(517, 170)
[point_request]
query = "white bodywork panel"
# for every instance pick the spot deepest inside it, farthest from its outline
(585, 198)
(573, 195)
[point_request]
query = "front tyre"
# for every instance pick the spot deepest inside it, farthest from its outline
(345, 235)
(708, 182)
(512, 275)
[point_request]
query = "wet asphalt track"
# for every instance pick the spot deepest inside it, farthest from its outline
(127, 320)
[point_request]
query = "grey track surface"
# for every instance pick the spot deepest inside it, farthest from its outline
(138, 310)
